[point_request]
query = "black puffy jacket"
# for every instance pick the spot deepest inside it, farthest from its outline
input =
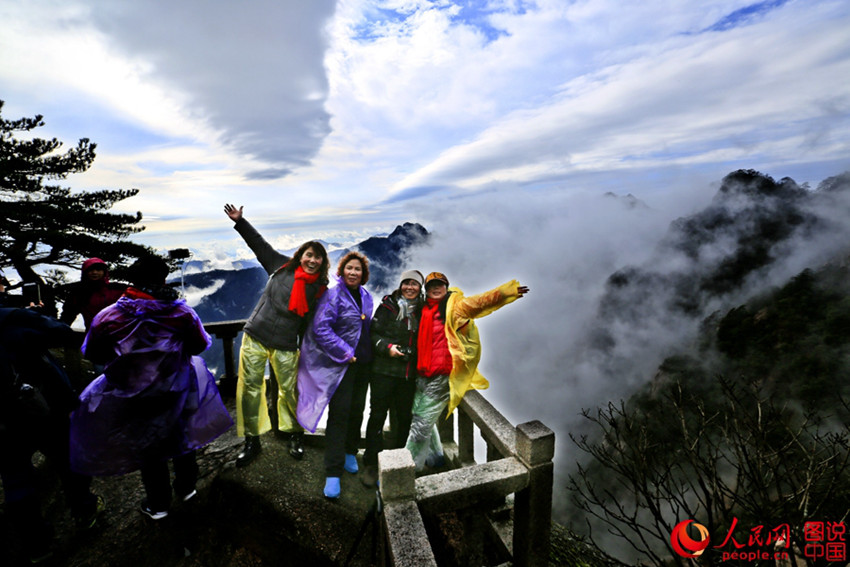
(388, 330)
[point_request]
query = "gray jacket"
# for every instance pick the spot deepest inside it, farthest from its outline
(272, 323)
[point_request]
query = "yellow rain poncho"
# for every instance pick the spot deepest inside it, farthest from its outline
(462, 336)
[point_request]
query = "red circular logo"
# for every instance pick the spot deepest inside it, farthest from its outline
(686, 546)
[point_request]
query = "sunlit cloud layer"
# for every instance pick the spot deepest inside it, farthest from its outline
(328, 116)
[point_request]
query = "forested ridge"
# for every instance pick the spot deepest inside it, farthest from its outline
(746, 427)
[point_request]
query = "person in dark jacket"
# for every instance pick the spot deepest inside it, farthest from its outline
(272, 335)
(91, 294)
(392, 382)
(35, 400)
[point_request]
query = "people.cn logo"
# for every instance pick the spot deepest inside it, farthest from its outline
(686, 546)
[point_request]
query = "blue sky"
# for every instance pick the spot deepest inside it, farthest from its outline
(342, 119)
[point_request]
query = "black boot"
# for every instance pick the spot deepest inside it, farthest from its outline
(250, 451)
(296, 446)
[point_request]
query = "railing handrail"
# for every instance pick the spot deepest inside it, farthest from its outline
(520, 463)
(494, 427)
(525, 469)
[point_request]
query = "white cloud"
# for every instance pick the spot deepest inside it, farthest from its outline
(364, 103)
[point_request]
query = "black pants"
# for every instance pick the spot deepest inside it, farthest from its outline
(20, 486)
(158, 484)
(391, 394)
(345, 414)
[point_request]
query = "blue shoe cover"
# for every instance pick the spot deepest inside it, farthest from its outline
(351, 464)
(332, 487)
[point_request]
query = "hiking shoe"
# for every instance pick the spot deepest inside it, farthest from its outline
(332, 487)
(296, 446)
(189, 496)
(39, 546)
(369, 477)
(38, 556)
(250, 451)
(145, 508)
(351, 464)
(435, 460)
(87, 521)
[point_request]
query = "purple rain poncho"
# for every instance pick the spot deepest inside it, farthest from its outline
(155, 400)
(329, 343)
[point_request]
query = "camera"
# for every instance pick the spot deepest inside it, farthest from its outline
(406, 351)
(31, 293)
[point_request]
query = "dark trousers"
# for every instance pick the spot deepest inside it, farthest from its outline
(20, 485)
(391, 394)
(158, 484)
(345, 414)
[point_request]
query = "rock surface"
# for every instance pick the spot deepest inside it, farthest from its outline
(271, 512)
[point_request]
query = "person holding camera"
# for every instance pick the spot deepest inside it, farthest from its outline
(393, 379)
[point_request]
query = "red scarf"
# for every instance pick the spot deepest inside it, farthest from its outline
(298, 297)
(425, 341)
(134, 293)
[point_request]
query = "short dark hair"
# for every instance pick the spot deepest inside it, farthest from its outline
(318, 249)
(148, 271)
(354, 255)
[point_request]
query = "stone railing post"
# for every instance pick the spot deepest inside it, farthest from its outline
(407, 540)
(465, 439)
(228, 384)
(535, 448)
(226, 331)
(446, 427)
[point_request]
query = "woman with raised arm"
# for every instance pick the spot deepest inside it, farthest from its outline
(333, 371)
(272, 335)
(448, 351)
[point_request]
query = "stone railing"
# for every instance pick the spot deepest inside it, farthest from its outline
(507, 500)
(519, 464)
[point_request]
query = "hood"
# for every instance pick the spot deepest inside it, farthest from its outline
(94, 262)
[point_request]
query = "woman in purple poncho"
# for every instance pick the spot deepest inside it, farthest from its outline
(333, 368)
(155, 400)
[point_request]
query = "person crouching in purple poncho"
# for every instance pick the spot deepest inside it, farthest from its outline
(155, 400)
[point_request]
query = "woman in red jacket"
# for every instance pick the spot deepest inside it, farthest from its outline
(448, 351)
(91, 294)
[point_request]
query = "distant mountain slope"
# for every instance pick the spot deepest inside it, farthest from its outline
(386, 253)
(750, 422)
(754, 231)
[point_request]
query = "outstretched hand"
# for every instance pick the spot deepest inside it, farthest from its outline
(522, 290)
(234, 213)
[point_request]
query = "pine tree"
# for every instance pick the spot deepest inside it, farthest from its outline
(42, 223)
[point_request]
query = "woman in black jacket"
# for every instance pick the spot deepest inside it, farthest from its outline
(393, 380)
